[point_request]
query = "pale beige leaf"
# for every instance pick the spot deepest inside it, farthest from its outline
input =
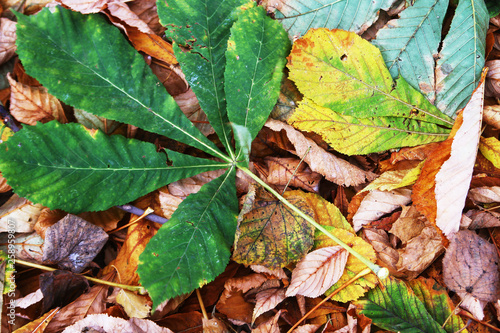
(7, 39)
(485, 194)
(85, 6)
(290, 171)
(379, 239)
(491, 115)
(279, 273)
(19, 214)
(333, 168)
(318, 271)
(168, 203)
(105, 324)
(32, 104)
(307, 328)
(135, 306)
(26, 246)
(270, 326)
(473, 305)
(29, 299)
(120, 10)
(266, 300)
(378, 203)
(184, 187)
(409, 224)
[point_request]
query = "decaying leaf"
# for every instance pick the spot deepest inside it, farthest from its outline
(333, 168)
(26, 246)
(90, 120)
(318, 271)
(378, 203)
(470, 266)
(72, 243)
(442, 187)
(493, 78)
(20, 214)
(152, 45)
(190, 106)
(214, 325)
(29, 299)
(7, 39)
(32, 104)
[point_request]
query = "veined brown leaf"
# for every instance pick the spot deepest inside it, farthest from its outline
(7, 39)
(318, 271)
(267, 300)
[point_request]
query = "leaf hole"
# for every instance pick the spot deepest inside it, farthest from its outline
(343, 57)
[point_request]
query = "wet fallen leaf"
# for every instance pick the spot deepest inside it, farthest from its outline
(72, 243)
(136, 306)
(19, 212)
(333, 168)
(32, 104)
(470, 266)
(7, 39)
(442, 187)
(318, 271)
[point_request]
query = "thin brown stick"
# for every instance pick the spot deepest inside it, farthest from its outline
(202, 306)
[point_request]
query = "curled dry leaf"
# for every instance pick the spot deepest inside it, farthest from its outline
(472, 304)
(290, 171)
(318, 271)
(266, 300)
(485, 194)
(379, 239)
(270, 326)
(72, 243)
(19, 213)
(106, 324)
(135, 306)
(483, 219)
(378, 203)
(279, 273)
(146, 11)
(493, 79)
(470, 266)
(442, 187)
(7, 39)
(29, 299)
(333, 168)
(491, 115)
(85, 6)
(32, 104)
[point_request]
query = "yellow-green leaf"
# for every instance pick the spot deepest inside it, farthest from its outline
(393, 179)
(490, 148)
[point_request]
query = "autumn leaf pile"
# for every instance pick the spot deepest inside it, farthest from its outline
(384, 132)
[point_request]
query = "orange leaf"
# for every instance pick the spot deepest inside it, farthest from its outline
(152, 45)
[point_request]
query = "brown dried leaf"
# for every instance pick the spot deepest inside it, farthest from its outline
(385, 252)
(4, 187)
(46, 219)
(418, 153)
(214, 325)
(307, 328)
(485, 194)
(85, 6)
(378, 203)
(318, 271)
(470, 266)
(105, 324)
(119, 10)
(168, 203)
(491, 115)
(72, 243)
(267, 300)
(19, 213)
(279, 273)
(107, 219)
(270, 326)
(483, 219)
(29, 299)
(184, 187)
(493, 79)
(409, 225)
(442, 187)
(333, 168)
(40, 324)
(190, 106)
(59, 288)
(146, 11)
(32, 104)
(26, 246)
(281, 170)
(7, 39)
(245, 283)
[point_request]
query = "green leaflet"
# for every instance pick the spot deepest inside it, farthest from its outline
(397, 308)
(493, 7)
(409, 44)
(204, 26)
(255, 59)
(75, 57)
(74, 169)
(354, 136)
(461, 59)
(298, 16)
(194, 247)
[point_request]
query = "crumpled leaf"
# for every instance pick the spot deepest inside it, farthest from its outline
(290, 171)
(72, 243)
(470, 266)
(270, 233)
(19, 213)
(485, 194)
(378, 203)
(379, 239)
(364, 110)
(317, 271)
(442, 187)
(135, 306)
(270, 326)
(107, 324)
(7, 39)
(32, 104)
(334, 169)
(298, 16)
(266, 300)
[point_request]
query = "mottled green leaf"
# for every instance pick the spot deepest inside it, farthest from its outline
(195, 245)
(271, 234)
(410, 43)
(204, 26)
(75, 169)
(395, 307)
(75, 57)
(461, 59)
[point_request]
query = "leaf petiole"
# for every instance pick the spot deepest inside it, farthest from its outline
(381, 272)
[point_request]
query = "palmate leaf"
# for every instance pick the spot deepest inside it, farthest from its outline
(75, 169)
(204, 26)
(75, 57)
(410, 43)
(195, 246)
(298, 16)
(254, 67)
(461, 59)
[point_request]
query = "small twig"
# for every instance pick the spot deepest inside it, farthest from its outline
(139, 212)
(140, 289)
(295, 171)
(146, 213)
(466, 314)
(202, 306)
(7, 119)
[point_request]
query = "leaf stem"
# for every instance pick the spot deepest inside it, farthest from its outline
(140, 289)
(381, 272)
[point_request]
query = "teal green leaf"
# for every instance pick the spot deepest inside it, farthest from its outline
(410, 43)
(204, 26)
(395, 307)
(87, 63)
(461, 59)
(195, 245)
(75, 169)
(255, 59)
(298, 16)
